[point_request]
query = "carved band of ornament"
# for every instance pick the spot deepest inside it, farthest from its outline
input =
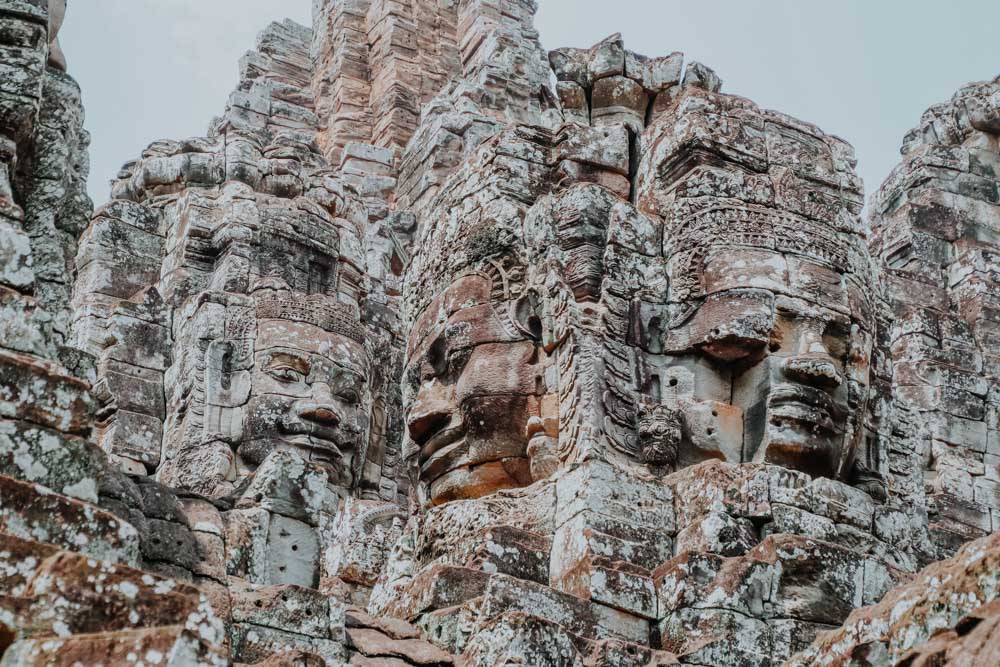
(731, 226)
(763, 228)
(369, 519)
(318, 310)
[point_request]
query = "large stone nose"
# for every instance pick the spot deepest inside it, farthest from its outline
(321, 409)
(431, 412)
(813, 364)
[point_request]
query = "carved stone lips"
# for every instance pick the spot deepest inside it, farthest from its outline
(320, 436)
(440, 440)
(805, 405)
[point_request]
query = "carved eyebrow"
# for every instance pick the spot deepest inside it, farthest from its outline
(340, 370)
(289, 359)
(349, 373)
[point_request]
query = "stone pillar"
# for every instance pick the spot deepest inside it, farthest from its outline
(934, 220)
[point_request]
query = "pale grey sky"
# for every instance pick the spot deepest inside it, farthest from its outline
(862, 69)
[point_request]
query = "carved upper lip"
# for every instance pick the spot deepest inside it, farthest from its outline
(440, 439)
(335, 439)
(433, 430)
(817, 407)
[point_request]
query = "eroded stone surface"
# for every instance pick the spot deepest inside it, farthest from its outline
(438, 349)
(924, 610)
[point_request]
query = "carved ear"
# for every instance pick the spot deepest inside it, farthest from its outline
(218, 367)
(225, 391)
(527, 314)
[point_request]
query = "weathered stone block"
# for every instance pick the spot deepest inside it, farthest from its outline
(33, 513)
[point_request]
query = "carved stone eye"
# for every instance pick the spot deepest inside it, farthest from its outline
(350, 397)
(286, 374)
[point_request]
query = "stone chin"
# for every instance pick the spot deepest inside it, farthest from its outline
(485, 452)
(476, 481)
(323, 453)
(795, 446)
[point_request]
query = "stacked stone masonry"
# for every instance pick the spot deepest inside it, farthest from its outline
(441, 349)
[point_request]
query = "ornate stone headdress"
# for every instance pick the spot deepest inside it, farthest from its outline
(272, 300)
(751, 227)
(494, 251)
(318, 310)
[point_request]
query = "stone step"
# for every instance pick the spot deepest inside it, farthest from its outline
(372, 644)
(174, 646)
(517, 638)
(389, 642)
(51, 593)
(19, 560)
(66, 463)
(442, 598)
(507, 550)
(35, 513)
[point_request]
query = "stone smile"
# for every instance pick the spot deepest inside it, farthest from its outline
(439, 441)
(320, 436)
(803, 405)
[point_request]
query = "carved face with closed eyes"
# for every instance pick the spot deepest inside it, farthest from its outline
(790, 367)
(770, 349)
(308, 395)
(473, 386)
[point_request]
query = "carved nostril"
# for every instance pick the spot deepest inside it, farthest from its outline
(814, 369)
(320, 415)
(423, 427)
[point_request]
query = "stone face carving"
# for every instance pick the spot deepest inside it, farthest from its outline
(308, 387)
(477, 387)
(262, 257)
(790, 356)
(767, 335)
(438, 349)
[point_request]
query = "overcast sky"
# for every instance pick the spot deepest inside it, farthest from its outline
(862, 69)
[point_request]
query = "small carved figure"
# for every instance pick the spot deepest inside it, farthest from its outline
(660, 431)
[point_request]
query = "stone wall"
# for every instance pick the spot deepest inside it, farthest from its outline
(935, 221)
(439, 349)
(70, 591)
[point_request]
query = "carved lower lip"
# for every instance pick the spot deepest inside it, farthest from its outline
(804, 405)
(317, 437)
(439, 441)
